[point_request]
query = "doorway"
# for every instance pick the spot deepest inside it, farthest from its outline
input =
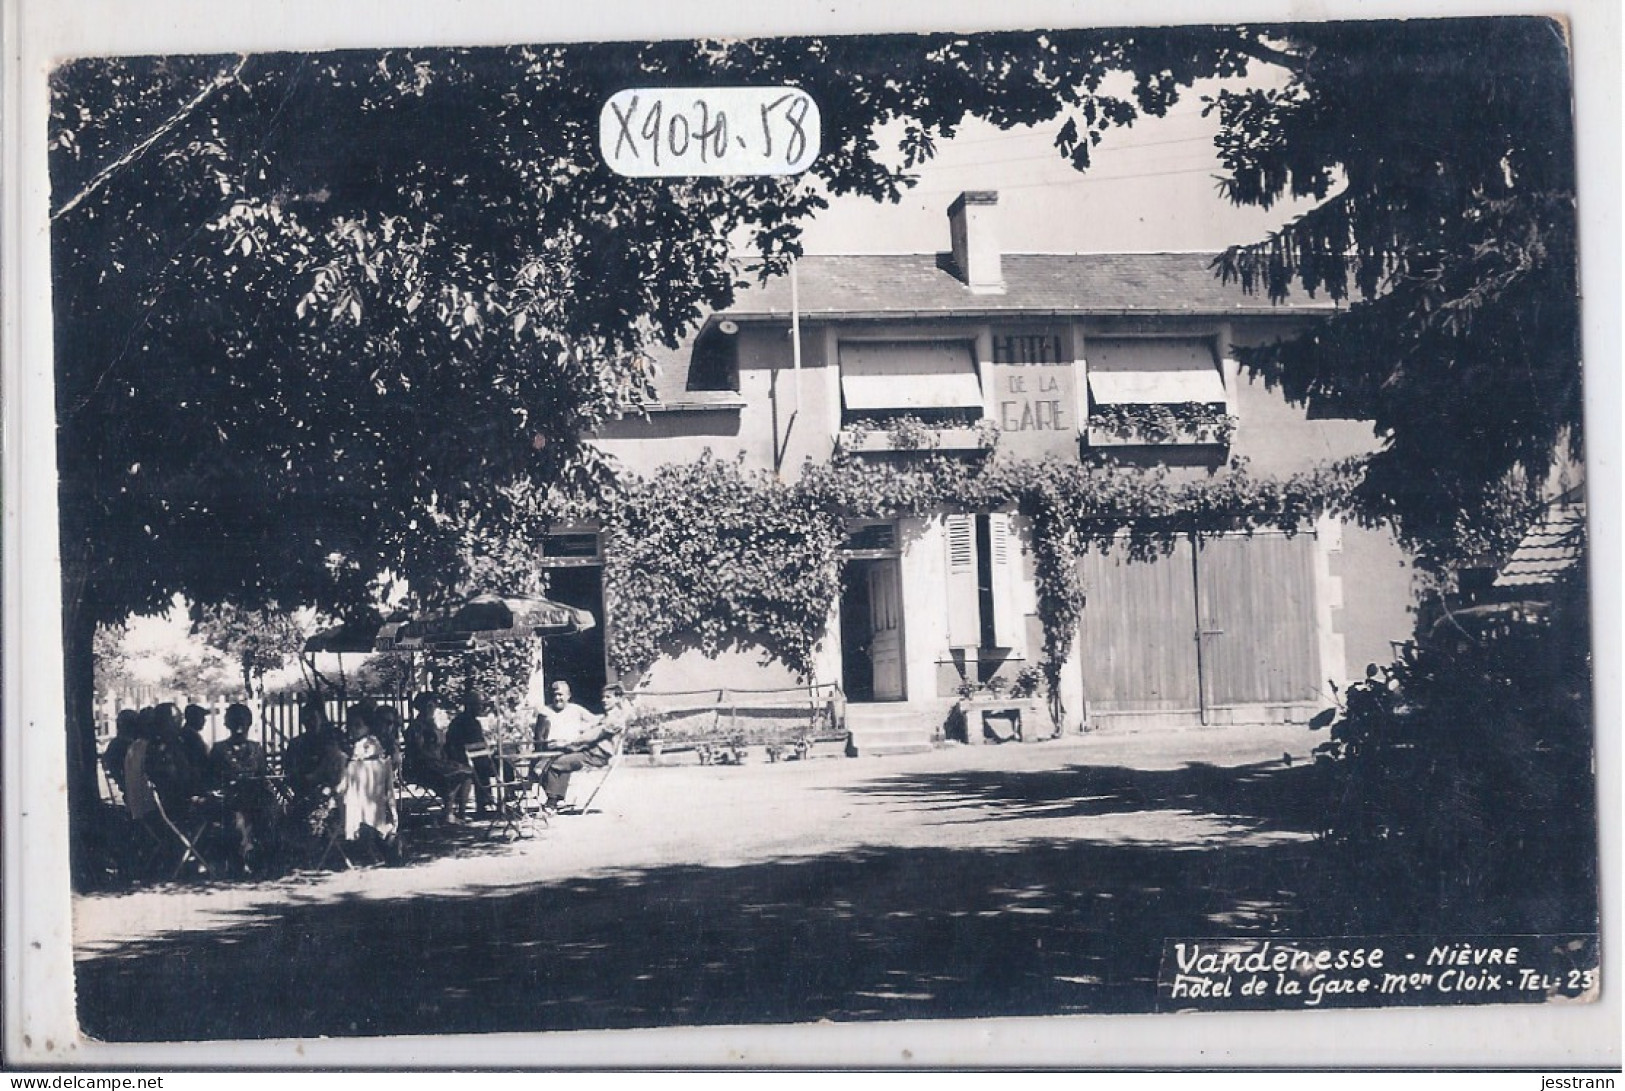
(872, 630)
(578, 658)
(1224, 627)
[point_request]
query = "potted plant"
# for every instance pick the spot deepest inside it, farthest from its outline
(645, 734)
(981, 706)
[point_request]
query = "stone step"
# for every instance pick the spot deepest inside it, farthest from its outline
(889, 751)
(878, 731)
(884, 715)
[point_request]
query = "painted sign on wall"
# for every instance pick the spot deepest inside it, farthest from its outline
(1036, 409)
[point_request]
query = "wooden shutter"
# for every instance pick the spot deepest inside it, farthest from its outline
(1008, 629)
(964, 613)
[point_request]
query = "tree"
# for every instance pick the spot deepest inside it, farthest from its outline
(195, 676)
(1443, 156)
(112, 662)
(314, 313)
(256, 641)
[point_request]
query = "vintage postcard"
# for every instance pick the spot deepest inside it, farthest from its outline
(773, 534)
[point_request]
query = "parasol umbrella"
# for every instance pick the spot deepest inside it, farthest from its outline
(350, 637)
(481, 621)
(476, 622)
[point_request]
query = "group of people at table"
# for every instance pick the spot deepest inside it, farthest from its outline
(342, 782)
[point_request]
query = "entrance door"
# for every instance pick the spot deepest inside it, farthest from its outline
(885, 628)
(1139, 633)
(871, 630)
(1255, 598)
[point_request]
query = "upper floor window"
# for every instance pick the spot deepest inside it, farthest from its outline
(714, 364)
(1156, 391)
(935, 381)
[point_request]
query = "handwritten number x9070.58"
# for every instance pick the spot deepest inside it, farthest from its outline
(727, 131)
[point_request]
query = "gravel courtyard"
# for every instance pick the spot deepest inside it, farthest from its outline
(967, 882)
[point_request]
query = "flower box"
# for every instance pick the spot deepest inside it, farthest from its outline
(882, 440)
(1104, 437)
(1158, 425)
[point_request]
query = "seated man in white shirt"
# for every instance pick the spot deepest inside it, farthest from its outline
(594, 751)
(563, 723)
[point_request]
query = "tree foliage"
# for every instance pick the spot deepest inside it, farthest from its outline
(113, 674)
(255, 641)
(1443, 155)
(1468, 761)
(314, 314)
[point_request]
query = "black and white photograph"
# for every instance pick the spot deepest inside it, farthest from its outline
(893, 533)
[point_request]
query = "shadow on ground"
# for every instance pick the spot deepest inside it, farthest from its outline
(1046, 925)
(1262, 796)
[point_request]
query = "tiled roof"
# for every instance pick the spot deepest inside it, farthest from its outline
(1550, 548)
(908, 284)
(924, 285)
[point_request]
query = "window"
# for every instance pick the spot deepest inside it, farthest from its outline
(570, 549)
(1151, 391)
(933, 380)
(714, 364)
(1154, 371)
(982, 560)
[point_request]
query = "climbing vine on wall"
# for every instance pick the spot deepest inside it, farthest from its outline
(713, 556)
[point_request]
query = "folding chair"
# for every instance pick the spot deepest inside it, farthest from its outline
(597, 778)
(333, 845)
(315, 848)
(408, 792)
(189, 849)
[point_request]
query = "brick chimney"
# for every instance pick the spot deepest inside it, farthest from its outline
(976, 250)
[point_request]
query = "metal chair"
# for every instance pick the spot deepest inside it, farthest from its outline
(597, 778)
(512, 803)
(189, 843)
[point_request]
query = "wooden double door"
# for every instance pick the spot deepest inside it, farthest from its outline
(1220, 628)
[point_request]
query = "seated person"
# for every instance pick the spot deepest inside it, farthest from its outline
(313, 765)
(119, 747)
(194, 720)
(237, 769)
(368, 788)
(171, 763)
(466, 733)
(563, 723)
(593, 751)
(426, 763)
(139, 797)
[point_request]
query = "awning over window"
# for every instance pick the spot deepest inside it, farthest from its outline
(1161, 371)
(909, 375)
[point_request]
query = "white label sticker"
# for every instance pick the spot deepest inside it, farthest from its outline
(709, 131)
